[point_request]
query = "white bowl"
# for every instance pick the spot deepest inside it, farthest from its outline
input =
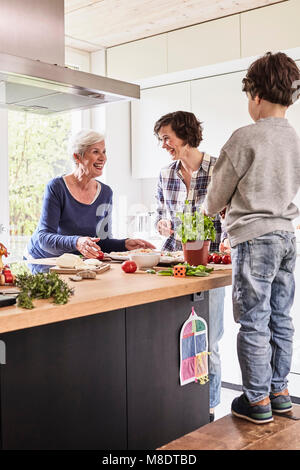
(145, 260)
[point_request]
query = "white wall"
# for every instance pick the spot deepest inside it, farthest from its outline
(82, 61)
(98, 67)
(4, 205)
(127, 190)
(114, 120)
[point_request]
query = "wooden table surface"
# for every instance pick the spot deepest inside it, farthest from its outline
(110, 291)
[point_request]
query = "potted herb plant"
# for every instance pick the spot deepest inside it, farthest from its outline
(196, 230)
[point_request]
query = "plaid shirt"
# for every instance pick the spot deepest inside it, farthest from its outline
(172, 194)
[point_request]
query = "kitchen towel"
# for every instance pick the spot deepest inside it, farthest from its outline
(193, 350)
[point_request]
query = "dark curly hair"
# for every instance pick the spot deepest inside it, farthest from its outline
(272, 78)
(185, 125)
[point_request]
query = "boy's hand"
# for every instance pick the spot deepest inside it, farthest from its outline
(222, 213)
(225, 246)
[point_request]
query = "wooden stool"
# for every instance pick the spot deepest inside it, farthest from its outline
(231, 433)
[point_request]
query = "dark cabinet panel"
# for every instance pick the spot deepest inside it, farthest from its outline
(64, 385)
(107, 381)
(159, 408)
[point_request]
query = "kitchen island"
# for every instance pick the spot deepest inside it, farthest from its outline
(102, 371)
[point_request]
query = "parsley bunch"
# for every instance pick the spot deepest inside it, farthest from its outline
(42, 286)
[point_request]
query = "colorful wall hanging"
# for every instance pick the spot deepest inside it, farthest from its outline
(193, 350)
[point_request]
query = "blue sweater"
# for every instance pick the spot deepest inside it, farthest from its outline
(64, 219)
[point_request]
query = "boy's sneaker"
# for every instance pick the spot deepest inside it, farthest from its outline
(258, 414)
(281, 402)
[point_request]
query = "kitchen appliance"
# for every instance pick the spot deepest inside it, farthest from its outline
(7, 299)
(33, 76)
(144, 222)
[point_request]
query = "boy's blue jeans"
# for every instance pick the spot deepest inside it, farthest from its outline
(262, 294)
(215, 329)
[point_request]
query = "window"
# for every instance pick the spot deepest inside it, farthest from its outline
(37, 152)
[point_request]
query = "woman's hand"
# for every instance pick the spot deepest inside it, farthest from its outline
(135, 243)
(164, 227)
(88, 247)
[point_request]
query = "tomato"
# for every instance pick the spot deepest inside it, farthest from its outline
(129, 266)
(226, 259)
(209, 258)
(216, 258)
(8, 277)
(100, 255)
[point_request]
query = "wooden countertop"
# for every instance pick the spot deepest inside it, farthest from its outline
(111, 290)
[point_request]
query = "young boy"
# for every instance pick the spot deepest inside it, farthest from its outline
(257, 177)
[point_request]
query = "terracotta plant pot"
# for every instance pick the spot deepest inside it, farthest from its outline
(196, 252)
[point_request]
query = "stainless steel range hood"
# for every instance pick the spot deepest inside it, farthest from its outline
(30, 84)
(34, 86)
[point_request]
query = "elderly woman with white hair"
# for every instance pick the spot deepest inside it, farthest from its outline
(77, 208)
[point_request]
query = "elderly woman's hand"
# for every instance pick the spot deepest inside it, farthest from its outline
(88, 247)
(134, 244)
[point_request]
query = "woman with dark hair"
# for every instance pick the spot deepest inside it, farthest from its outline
(180, 133)
(187, 178)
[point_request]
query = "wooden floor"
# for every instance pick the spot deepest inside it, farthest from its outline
(231, 433)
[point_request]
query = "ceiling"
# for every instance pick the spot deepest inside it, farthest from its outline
(91, 25)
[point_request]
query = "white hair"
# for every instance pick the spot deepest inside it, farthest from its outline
(80, 141)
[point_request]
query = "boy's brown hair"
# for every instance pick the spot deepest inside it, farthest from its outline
(185, 125)
(273, 78)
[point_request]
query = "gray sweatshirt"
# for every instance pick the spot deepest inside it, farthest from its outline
(257, 176)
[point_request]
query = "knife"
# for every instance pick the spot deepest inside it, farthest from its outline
(9, 292)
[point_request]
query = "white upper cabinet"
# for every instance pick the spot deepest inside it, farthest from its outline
(204, 44)
(77, 58)
(272, 28)
(147, 156)
(222, 107)
(138, 59)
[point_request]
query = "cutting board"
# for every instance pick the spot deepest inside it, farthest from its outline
(47, 261)
(98, 270)
(42, 261)
(219, 266)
